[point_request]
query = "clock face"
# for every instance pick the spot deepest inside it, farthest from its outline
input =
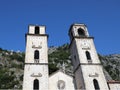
(85, 44)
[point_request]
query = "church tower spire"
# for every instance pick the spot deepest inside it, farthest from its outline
(36, 59)
(87, 67)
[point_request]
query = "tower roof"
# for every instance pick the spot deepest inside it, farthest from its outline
(76, 24)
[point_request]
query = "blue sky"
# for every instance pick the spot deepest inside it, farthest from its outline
(102, 18)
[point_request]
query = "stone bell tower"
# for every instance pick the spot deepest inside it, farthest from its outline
(36, 59)
(87, 67)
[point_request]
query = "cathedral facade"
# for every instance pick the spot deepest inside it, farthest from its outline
(87, 68)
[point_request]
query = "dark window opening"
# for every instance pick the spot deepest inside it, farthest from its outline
(36, 84)
(36, 56)
(36, 30)
(81, 32)
(96, 85)
(88, 55)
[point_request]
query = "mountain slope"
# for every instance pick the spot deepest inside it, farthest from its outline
(111, 64)
(12, 64)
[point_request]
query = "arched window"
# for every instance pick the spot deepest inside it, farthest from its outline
(36, 56)
(88, 55)
(36, 84)
(36, 30)
(81, 32)
(96, 85)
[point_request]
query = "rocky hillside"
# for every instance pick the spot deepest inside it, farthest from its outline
(11, 69)
(12, 63)
(111, 64)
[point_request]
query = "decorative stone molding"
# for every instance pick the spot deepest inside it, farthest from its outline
(37, 47)
(93, 75)
(36, 75)
(87, 48)
(89, 61)
(61, 84)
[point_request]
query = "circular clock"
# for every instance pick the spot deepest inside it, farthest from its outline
(85, 44)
